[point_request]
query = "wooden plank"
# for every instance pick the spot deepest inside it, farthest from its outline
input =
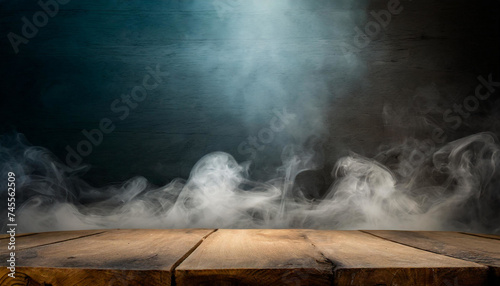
(19, 279)
(251, 257)
(485, 251)
(255, 257)
(7, 236)
(492, 236)
(363, 259)
(29, 240)
(116, 257)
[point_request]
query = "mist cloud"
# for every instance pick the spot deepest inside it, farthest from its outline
(454, 188)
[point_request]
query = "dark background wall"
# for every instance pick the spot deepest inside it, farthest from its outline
(230, 66)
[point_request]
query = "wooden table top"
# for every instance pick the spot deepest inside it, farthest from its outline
(253, 257)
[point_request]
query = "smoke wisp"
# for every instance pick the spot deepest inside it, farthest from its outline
(454, 188)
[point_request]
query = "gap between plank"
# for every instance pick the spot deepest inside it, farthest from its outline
(481, 236)
(69, 239)
(185, 256)
(438, 253)
(398, 242)
(490, 272)
(19, 235)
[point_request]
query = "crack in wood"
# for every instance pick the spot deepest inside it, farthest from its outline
(55, 242)
(490, 236)
(186, 255)
(332, 264)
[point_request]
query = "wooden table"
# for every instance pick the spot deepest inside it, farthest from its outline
(253, 257)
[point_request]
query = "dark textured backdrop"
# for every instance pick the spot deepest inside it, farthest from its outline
(222, 83)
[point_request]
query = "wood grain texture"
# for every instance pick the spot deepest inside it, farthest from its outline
(363, 259)
(255, 257)
(29, 240)
(19, 279)
(492, 236)
(472, 248)
(116, 257)
(6, 236)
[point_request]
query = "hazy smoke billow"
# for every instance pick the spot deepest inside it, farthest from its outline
(454, 188)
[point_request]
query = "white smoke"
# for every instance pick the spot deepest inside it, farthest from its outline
(454, 188)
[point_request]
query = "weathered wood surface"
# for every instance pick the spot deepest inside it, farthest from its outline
(6, 236)
(362, 259)
(116, 257)
(467, 247)
(492, 236)
(29, 240)
(253, 257)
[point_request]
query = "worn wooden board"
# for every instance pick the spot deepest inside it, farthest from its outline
(492, 236)
(473, 248)
(116, 257)
(6, 236)
(255, 257)
(29, 240)
(363, 259)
